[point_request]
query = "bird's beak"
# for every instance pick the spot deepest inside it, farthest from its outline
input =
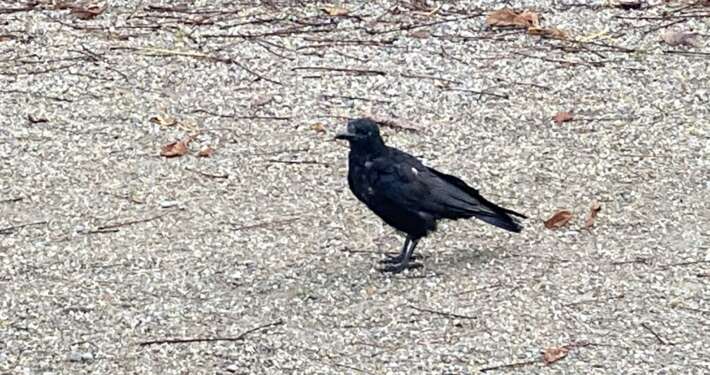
(345, 135)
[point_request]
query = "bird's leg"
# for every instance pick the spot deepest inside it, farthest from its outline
(407, 253)
(398, 258)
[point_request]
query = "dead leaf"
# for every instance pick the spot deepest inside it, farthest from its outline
(553, 32)
(163, 120)
(420, 34)
(592, 215)
(678, 38)
(6, 37)
(36, 120)
(400, 124)
(561, 117)
(318, 127)
(261, 100)
(559, 219)
(206, 152)
(178, 148)
(508, 17)
(88, 11)
(554, 354)
(335, 11)
(629, 4)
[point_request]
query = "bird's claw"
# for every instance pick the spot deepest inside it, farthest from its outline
(397, 268)
(396, 259)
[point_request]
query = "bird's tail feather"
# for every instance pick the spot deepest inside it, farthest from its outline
(501, 220)
(500, 217)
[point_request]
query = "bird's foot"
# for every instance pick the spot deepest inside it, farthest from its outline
(399, 267)
(396, 259)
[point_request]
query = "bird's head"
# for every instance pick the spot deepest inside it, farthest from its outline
(361, 132)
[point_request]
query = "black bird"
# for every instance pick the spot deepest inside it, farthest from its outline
(408, 195)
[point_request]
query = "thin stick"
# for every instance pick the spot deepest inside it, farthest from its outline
(690, 263)
(342, 70)
(315, 162)
(442, 313)
(11, 229)
(659, 338)
(237, 117)
(127, 223)
(9, 200)
(509, 365)
(208, 174)
(161, 52)
(211, 339)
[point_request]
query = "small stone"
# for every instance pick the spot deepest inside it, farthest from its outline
(232, 368)
(168, 204)
(80, 356)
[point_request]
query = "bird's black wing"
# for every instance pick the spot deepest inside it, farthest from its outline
(413, 187)
(453, 180)
(405, 181)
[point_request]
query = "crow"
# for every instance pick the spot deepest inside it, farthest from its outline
(409, 196)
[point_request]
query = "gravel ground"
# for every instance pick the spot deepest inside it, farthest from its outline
(106, 246)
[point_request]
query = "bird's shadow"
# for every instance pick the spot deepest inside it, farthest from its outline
(454, 258)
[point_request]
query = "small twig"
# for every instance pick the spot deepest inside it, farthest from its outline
(689, 53)
(394, 124)
(240, 337)
(103, 228)
(161, 52)
(30, 6)
(659, 338)
(9, 200)
(565, 62)
(508, 365)
(689, 263)
(442, 313)
(481, 93)
(419, 25)
(13, 228)
(208, 174)
(342, 70)
(634, 261)
(315, 162)
(664, 26)
(418, 76)
(237, 117)
(586, 301)
(324, 96)
(100, 231)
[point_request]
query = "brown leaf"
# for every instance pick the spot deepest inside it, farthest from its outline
(261, 100)
(178, 148)
(592, 215)
(335, 11)
(629, 4)
(420, 34)
(318, 127)
(6, 37)
(554, 354)
(561, 117)
(678, 38)
(88, 11)
(401, 124)
(508, 17)
(553, 33)
(163, 120)
(559, 219)
(206, 152)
